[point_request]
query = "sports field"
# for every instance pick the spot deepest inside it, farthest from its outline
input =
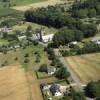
(86, 67)
(13, 83)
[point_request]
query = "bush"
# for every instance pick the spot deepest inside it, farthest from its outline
(62, 73)
(26, 55)
(43, 68)
(26, 61)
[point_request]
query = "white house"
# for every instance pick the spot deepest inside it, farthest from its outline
(55, 90)
(96, 40)
(47, 38)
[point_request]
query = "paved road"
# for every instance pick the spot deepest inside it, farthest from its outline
(73, 76)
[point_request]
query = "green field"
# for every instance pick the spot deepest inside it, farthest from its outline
(10, 12)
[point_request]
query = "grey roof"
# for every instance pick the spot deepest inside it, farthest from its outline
(55, 88)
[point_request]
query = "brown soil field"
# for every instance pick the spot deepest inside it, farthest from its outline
(86, 67)
(38, 5)
(13, 83)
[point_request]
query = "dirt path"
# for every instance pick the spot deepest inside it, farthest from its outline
(38, 5)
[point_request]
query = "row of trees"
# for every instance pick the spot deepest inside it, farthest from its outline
(61, 72)
(88, 8)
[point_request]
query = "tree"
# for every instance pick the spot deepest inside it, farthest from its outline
(92, 13)
(82, 13)
(43, 68)
(38, 58)
(16, 59)
(26, 55)
(62, 73)
(93, 89)
(26, 61)
(78, 96)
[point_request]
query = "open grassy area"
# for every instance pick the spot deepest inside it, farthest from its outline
(10, 12)
(34, 27)
(3, 42)
(86, 67)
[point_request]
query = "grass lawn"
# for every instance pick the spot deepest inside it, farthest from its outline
(9, 12)
(34, 27)
(3, 42)
(20, 2)
(86, 67)
(42, 75)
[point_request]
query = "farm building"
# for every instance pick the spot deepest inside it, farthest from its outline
(55, 90)
(96, 40)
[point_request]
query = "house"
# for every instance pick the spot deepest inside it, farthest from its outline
(47, 38)
(55, 90)
(96, 40)
(51, 70)
(44, 86)
(22, 38)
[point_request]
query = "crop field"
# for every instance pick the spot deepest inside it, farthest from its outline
(86, 67)
(13, 83)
